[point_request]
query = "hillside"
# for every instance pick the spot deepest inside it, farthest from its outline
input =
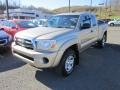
(100, 12)
(73, 9)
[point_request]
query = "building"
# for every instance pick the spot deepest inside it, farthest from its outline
(26, 14)
(1, 14)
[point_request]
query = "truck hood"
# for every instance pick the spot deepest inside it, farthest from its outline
(3, 35)
(42, 32)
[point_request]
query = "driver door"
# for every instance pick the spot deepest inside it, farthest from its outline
(85, 33)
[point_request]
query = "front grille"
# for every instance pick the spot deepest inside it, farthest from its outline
(24, 43)
(3, 41)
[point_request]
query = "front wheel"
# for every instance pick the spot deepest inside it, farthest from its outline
(67, 63)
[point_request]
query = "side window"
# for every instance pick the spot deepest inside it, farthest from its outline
(93, 21)
(53, 21)
(85, 22)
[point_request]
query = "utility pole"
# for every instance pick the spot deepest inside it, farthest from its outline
(106, 3)
(101, 4)
(69, 6)
(106, 7)
(19, 3)
(110, 8)
(7, 11)
(91, 5)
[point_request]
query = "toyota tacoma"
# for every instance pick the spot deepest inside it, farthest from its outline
(59, 43)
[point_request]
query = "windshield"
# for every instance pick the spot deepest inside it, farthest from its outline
(63, 21)
(26, 24)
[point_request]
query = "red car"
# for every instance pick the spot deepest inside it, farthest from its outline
(14, 26)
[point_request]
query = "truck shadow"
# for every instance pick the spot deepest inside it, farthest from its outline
(9, 62)
(98, 70)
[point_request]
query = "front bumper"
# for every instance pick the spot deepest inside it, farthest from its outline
(37, 59)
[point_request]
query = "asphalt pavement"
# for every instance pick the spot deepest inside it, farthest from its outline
(99, 69)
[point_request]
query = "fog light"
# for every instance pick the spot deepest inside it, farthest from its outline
(45, 60)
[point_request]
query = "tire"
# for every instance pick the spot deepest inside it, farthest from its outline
(4, 49)
(67, 63)
(112, 24)
(101, 43)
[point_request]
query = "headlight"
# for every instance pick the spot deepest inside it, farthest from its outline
(46, 44)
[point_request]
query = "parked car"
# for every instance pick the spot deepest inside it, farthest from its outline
(1, 21)
(14, 26)
(106, 20)
(40, 22)
(58, 45)
(114, 23)
(5, 39)
(103, 23)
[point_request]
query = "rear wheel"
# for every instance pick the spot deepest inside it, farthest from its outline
(101, 43)
(67, 63)
(112, 24)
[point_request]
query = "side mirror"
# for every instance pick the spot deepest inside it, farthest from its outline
(85, 26)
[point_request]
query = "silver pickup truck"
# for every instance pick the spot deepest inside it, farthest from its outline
(58, 44)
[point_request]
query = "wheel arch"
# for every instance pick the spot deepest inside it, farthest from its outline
(68, 45)
(105, 33)
(76, 49)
